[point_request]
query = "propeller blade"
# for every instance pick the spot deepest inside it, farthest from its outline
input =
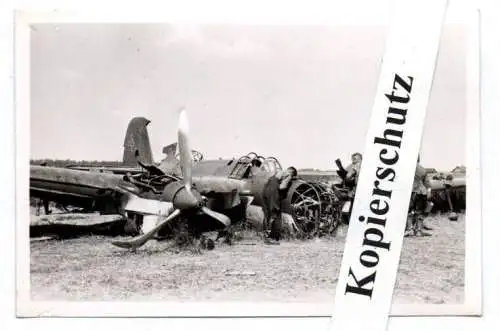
(141, 240)
(218, 216)
(186, 158)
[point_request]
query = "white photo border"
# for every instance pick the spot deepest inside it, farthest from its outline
(27, 308)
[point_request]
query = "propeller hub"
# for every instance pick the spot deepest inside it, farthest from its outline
(183, 198)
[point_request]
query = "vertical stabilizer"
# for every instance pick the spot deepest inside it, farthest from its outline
(137, 140)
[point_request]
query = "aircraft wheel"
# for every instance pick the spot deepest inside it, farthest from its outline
(304, 204)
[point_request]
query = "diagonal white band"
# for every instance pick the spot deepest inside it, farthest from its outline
(374, 239)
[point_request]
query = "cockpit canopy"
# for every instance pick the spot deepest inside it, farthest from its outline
(236, 168)
(242, 166)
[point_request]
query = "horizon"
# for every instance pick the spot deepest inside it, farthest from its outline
(120, 163)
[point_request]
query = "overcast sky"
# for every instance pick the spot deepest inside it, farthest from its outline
(302, 94)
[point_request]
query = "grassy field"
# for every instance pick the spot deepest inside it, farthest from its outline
(90, 268)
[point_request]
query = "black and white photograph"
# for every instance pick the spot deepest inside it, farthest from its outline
(217, 164)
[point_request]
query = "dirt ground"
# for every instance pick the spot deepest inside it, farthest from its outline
(90, 268)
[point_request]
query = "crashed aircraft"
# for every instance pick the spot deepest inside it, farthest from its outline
(182, 191)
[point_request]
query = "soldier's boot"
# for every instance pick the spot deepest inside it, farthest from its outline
(419, 226)
(273, 235)
(425, 226)
(409, 230)
(409, 233)
(270, 241)
(426, 213)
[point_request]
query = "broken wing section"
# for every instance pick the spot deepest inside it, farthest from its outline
(102, 192)
(90, 190)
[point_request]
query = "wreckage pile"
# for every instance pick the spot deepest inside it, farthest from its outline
(315, 208)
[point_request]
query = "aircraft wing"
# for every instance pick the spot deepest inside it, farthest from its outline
(76, 187)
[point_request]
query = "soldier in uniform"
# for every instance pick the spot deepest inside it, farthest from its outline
(275, 192)
(352, 176)
(420, 198)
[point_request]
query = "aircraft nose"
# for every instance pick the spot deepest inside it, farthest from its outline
(187, 199)
(181, 197)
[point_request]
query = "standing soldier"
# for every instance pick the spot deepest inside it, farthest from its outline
(353, 170)
(420, 197)
(352, 176)
(275, 191)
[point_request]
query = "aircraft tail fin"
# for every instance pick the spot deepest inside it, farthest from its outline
(137, 142)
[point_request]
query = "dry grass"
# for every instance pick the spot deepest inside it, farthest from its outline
(90, 268)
